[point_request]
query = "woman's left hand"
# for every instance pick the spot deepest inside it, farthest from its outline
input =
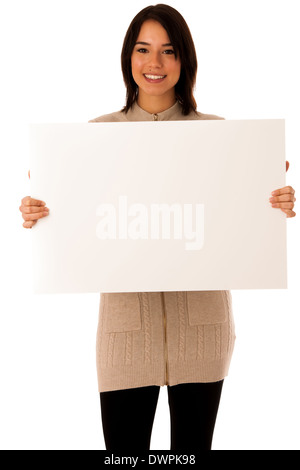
(284, 198)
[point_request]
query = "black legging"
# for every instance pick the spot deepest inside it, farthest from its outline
(128, 416)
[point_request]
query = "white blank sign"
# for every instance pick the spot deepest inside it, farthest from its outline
(211, 180)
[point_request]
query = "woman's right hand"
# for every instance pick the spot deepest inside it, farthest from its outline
(32, 210)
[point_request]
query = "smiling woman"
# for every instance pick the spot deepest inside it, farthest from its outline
(145, 340)
(168, 51)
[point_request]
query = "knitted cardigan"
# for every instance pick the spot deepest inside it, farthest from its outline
(162, 338)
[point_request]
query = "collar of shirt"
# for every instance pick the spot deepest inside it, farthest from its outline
(136, 113)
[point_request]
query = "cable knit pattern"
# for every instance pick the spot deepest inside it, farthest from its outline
(128, 353)
(147, 325)
(200, 343)
(229, 306)
(110, 350)
(218, 341)
(182, 317)
(141, 340)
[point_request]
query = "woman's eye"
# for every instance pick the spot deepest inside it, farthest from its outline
(170, 51)
(142, 50)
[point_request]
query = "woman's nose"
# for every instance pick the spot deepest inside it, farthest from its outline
(155, 60)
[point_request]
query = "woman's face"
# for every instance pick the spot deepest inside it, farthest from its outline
(154, 66)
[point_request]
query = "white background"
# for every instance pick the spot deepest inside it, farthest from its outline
(60, 62)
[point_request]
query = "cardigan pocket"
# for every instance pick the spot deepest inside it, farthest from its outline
(122, 312)
(206, 307)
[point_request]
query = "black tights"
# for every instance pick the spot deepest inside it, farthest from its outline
(128, 416)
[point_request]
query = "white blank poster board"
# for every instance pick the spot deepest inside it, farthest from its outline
(211, 180)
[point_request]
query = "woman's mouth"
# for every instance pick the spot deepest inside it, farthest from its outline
(154, 78)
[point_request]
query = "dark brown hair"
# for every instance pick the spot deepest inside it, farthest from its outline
(183, 44)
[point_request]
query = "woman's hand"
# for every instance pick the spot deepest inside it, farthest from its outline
(284, 198)
(32, 210)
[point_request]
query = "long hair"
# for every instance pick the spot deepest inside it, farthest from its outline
(180, 36)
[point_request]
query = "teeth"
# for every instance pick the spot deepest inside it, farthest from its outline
(155, 77)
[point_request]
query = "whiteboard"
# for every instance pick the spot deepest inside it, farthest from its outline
(158, 206)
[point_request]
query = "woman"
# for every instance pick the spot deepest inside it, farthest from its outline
(146, 340)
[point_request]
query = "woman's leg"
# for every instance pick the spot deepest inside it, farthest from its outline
(128, 416)
(193, 412)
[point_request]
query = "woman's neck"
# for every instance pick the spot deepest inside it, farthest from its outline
(155, 104)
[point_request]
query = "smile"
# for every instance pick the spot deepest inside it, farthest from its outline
(154, 78)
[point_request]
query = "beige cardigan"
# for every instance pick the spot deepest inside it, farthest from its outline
(162, 338)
